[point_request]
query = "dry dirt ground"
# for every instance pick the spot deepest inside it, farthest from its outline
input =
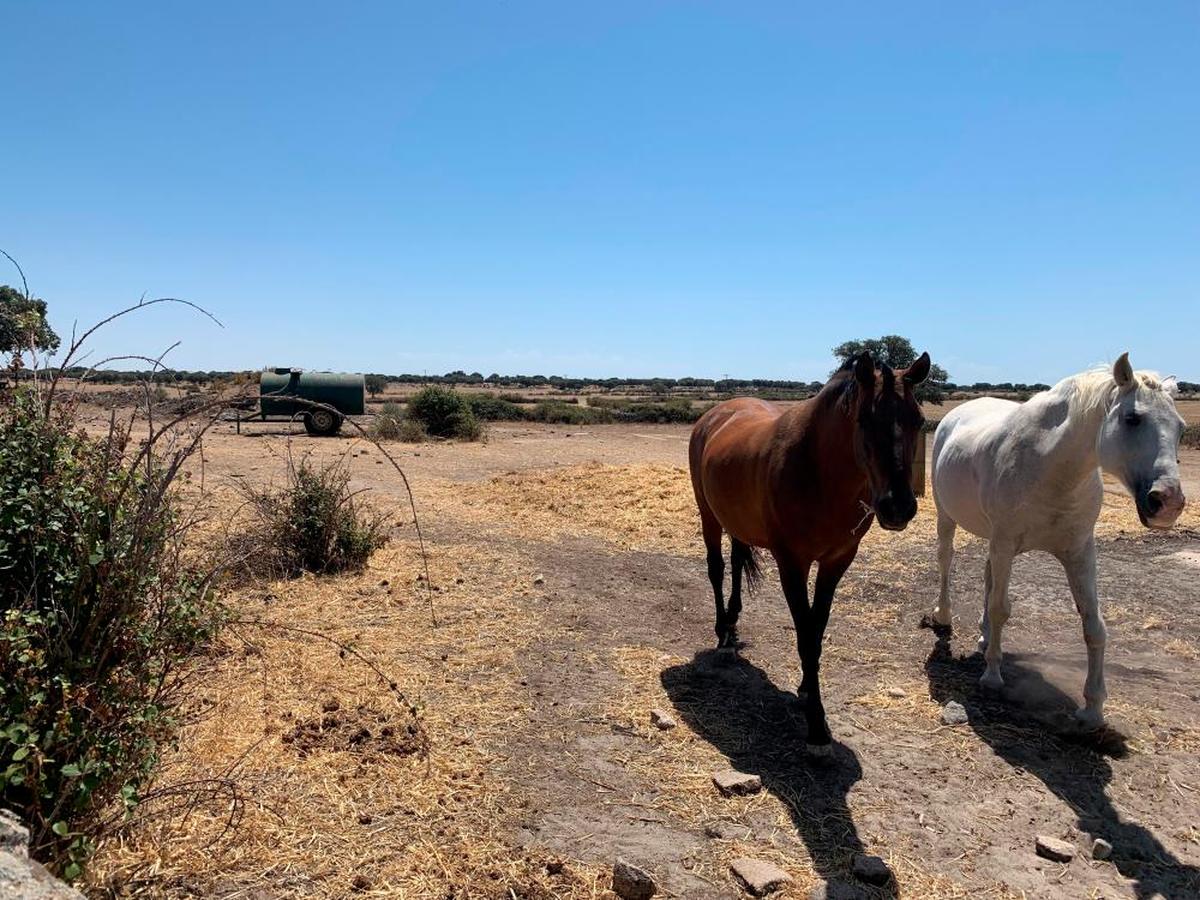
(571, 600)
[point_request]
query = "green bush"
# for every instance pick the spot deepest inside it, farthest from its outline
(555, 411)
(99, 610)
(490, 408)
(444, 413)
(677, 409)
(312, 524)
(1191, 437)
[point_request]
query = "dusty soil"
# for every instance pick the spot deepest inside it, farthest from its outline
(572, 600)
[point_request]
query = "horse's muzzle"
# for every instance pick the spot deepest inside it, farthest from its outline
(894, 513)
(1162, 504)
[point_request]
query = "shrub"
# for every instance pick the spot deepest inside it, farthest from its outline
(388, 425)
(490, 408)
(412, 432)
(1191, 437)
(444, 413)
(312, 524)
(555, 411)
(99, 610)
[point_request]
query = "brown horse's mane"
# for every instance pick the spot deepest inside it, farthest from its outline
(840, 390)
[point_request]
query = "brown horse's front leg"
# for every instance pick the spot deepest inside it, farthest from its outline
(793, 575)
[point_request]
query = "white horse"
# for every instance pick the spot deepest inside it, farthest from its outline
(1026, 476)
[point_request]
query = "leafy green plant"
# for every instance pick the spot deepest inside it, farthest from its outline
(490, 408)
(311, 524)
(100, 609)
(444, 413)
(555, 411)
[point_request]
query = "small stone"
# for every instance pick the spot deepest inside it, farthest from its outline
(896, 692)
(1101, 849)
(539, 579)
(954, 713)
(1053, 848)
(365, 818)
(662, 720)
(631, 882)
(361, 883)
(730, 781)
(837, 890)
(871, 869)
(725, 831)
(759, 876)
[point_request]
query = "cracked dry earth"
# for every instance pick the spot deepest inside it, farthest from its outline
(620, 623)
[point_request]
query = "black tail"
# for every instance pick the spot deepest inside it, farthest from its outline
(751, 562)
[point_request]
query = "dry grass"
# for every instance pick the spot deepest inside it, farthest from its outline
(325, 822)
(651, 507)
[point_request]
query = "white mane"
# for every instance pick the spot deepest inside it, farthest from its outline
(1096, 388)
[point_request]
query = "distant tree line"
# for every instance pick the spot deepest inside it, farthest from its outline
(558, 382)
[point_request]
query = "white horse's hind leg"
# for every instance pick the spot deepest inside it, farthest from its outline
(1081, 575)
(999, 608)
(946, 527)
(983, 617)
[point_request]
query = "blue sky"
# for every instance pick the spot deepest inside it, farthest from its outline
(612, 188)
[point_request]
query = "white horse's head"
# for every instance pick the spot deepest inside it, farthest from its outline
(1139, 443)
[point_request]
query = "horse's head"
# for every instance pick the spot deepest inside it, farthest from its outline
(1139, 443)
(889, 420)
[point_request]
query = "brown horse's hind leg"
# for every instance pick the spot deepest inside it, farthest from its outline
(742, 561)
(716, 573)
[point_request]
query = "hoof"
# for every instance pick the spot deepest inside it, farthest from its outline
(1089, 719)
(934, 622)
(991, 681)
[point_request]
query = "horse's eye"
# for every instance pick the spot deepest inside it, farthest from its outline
(1133, 419)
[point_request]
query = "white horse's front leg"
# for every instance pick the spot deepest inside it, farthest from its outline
(1081, 575)
(999, 608)
(946, 527)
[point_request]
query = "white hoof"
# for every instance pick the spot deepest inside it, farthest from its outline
(992, 680)
(941, 616)
(821, 751)
(1090, 719)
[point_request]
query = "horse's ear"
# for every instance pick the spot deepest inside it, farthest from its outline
(864, 371)
(918, 371)
(1123, 371)
(1171, 386)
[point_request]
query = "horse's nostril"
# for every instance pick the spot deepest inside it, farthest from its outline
(1155, 501)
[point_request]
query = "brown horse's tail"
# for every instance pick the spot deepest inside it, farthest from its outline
(751, 561)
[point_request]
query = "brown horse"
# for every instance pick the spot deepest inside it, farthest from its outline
(804, 484)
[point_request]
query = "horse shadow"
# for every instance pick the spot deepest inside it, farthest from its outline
(761, 729)
(1033, 728)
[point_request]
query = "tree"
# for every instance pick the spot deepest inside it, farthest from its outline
(23, 324)
(376, 384)
(897, 351)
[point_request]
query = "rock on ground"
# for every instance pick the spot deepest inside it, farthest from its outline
(20, 877)
(954, 713)
(731, 781)
(871, 869)
(1053, 848)
(662, 719)
(1101, 849)
(631, 882)
(759, 876)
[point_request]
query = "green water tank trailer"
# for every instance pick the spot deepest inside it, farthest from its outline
(281, 388)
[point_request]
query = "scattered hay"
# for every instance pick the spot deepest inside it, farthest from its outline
(636, 507)
(339, 789)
